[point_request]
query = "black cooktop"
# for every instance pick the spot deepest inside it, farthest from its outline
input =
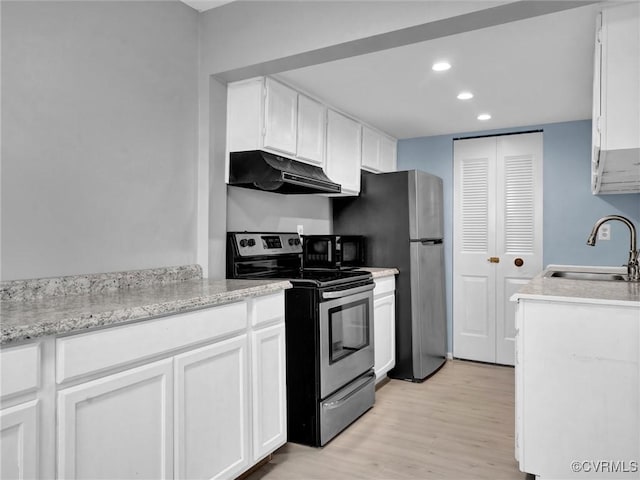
(318, 277)
(330, 277)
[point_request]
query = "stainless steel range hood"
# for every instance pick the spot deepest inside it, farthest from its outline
(265, 171)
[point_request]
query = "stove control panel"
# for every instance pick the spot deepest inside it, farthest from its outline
(250, 244)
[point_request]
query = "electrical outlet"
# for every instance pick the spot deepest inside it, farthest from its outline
(604, 233)
(300, 230)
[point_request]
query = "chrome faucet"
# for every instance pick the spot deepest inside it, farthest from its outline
(633, 272)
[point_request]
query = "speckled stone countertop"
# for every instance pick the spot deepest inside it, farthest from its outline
(542, 287)
(77, 305)
(377, 272)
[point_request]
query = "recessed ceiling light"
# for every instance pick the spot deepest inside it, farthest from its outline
(441, 66)
(465, 95)
(484, 116)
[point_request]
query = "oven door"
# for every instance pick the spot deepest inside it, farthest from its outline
(346, 336)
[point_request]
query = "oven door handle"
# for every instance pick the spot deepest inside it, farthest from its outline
(346, 293)
(364, 381)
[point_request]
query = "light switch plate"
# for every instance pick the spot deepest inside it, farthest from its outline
(604, 232)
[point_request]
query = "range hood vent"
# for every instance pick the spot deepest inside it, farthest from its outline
(265, 171)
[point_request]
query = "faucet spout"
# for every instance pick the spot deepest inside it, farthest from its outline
(633, 271)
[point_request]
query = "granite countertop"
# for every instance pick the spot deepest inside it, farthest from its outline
(377, 272)
(542, 287)
(41, 307)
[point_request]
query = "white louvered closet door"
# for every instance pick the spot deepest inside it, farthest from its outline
(497, 240)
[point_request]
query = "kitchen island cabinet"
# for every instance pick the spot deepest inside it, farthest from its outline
(578, 378)
(160, 397)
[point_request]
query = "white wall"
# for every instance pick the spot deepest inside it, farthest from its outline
(255, 210)
(99, 136)
(240, 34)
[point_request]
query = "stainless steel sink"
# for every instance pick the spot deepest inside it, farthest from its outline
(609, 277)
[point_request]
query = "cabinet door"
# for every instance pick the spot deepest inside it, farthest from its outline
(370, 150)
(269, 390)
(311, 131)
(19, 441)
(620, 66)
(388, 154)
(118, 426)
(281, 108)
(384, 335)
(211, 411)
(343, 151)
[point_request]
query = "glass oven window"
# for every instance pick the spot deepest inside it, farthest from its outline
(348, 329)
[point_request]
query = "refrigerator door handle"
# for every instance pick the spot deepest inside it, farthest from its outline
(430, 242)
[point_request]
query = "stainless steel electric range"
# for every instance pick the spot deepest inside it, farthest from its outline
(329, 334)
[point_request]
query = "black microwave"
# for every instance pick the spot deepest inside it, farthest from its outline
(332, 251)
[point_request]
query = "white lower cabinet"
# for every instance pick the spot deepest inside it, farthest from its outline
(22, 416)
(269, 390)
(384, 326)
(19, 441)
(577, 389)
(211, 410)
(119, 426)
(194, 395)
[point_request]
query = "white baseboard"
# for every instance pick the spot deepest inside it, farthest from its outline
(449, 355)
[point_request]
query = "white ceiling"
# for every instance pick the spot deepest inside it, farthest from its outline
(527, 72)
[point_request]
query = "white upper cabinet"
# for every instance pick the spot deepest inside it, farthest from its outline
(388, 154)
(344, 152)
(263, 114)
(378, 151)
(616, 101)
(281, 114)
(370, 150)
(312, 119)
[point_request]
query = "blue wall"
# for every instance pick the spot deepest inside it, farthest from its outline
(570, 209)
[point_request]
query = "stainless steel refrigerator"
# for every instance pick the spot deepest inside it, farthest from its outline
(401, 215)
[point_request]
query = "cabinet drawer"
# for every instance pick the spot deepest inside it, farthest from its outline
(267, 309)
(384, 285)
(19, 369)
(87, 353)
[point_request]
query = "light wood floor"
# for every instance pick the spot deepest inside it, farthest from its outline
(459, 424)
